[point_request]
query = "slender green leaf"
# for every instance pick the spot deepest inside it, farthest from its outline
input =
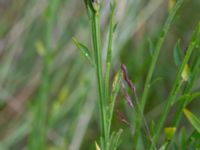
(115, 90)
(151, 47)
(177, 54)
(182, 138)
(152, 127)
(109, 49)
(177, 83)
(192, 119)
(115, 139)
(153, 63)
(164, 146)
(97, 146)
(84, 50)
(115, 27)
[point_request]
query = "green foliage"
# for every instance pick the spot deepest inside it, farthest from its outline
(84, 51)
(192, 119)
(48, 93)
(106, 101)
(169, 132)
(177, 53)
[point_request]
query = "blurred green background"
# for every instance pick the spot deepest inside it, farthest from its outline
(73, 121)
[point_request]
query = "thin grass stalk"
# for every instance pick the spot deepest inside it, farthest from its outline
(95, 27)
(154, 61)
(157, 51)
(39, 132)
(188, 88)
(109, 51)
(116, 87)
(108, 64)
(183, 103)
(175, 89)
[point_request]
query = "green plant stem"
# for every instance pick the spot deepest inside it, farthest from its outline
(108, 64)
(97, 56)
(183, 103)
(157, 52)
(154, 61)
(188, 88)
(109, 57)
(116, 87)
(39, 132)
(175, 89)
(190, 84)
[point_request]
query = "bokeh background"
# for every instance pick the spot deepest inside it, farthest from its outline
(73, 121)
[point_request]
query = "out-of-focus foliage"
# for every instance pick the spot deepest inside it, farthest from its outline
(72, 115)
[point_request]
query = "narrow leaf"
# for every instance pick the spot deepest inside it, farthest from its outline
(115, 139)
(152, 127)
(84, 50)
(182, 138)
(115, 90)
(192, 119)
(97, 146)
(164, 146)
(151, 47)
(177, 54)
(115, 27)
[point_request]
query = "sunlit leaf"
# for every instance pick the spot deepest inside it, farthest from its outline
(164, 146)
(169, 132)
(186, 73)
(97, 146)
(192, 119)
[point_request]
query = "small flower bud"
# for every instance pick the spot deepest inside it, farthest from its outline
(186, 73)
(171, 4)
(96, 5)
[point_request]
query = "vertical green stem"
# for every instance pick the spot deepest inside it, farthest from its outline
(39, 132)
(175, 89)
(188, 88)
(109, 60)
(97, 55)
(153, 63)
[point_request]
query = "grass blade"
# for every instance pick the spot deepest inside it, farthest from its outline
(177, 54)
(192, 119)
(154, 61)
(177, 84)
(84, 51)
